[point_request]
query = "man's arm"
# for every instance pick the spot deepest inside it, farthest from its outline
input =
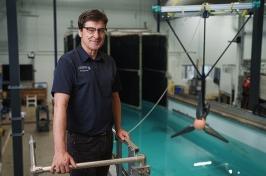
(62, 159)
(117, 116)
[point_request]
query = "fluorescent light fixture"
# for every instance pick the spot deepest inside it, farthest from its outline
(202, 163)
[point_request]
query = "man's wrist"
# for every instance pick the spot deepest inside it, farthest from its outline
(117, 129)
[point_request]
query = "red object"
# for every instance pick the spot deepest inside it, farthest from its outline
(246, 83)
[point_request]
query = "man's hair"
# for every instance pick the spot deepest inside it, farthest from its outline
(91, 15)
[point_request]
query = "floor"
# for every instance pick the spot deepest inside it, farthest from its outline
(44, 146)
(44, 150)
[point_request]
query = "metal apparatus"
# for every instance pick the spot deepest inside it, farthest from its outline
(204, 10)
(214, 9)
(136, 162)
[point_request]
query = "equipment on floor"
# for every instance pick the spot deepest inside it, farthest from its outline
(136, 162)
(42, 118)
(260, 109)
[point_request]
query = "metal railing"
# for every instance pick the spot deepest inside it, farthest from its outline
(136, 162)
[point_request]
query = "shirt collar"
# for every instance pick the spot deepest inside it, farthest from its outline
(84, 56)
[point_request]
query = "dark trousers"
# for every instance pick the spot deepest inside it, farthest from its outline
(90, 148)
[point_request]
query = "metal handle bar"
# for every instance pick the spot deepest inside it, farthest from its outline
(140, 158)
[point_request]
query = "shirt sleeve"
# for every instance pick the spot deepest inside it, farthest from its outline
(63, 76)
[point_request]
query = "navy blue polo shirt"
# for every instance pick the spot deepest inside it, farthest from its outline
(90, 84)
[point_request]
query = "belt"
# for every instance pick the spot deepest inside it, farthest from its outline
(105, 133)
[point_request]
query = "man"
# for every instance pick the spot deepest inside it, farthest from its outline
(245, 92)
(86, 101)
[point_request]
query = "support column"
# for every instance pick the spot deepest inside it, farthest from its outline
(239, 63)
(14, 86)
(158, 16)
(55, 33)
(254, 93)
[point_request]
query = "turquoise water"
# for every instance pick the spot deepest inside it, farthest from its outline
(171, 157)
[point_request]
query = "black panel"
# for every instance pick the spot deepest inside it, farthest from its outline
(68, 43)
(153, 85)
(125, 50)
(5, 72)
(105, 44)
(26, 72)
(1, 81)
(77, 40)
(130, 87)
(217, 75)
(154, 52)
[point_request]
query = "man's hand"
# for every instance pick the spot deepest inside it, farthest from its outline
(62, 163)
(122, 134)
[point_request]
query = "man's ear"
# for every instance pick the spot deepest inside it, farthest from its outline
(80, 33)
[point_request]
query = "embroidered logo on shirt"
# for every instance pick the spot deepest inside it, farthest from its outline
(84, 68)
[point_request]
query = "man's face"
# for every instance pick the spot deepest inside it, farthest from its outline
(92, 35)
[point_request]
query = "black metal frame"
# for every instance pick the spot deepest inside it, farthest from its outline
(14, 87)
(256, 57)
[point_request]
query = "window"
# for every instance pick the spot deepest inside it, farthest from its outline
(188, 71)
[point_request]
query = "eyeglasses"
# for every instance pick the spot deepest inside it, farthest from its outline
(92, 30)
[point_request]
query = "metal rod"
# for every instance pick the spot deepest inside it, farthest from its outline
(203, 77)
(128, 70)
(198, 8)
(204, 47)
(172, 29)
(55, 33)
(140, 158)
(35, 170)
(32, 153)
(118, 155)
(228, 45)
(158, 17)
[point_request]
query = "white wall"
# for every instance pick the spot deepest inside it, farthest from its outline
(35, 27)
(219, 31)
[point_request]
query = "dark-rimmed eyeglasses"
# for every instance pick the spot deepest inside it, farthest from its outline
(92, 30)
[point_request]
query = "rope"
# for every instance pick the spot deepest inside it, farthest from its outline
(147, 115)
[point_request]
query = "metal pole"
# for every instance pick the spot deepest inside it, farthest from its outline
(140, 158)
(228, 46)
(203, 77)
(14, 86)
(179, 41)
(32, 153)
(55, 34)
(239, 65)
(256, 56)
(158, 17)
